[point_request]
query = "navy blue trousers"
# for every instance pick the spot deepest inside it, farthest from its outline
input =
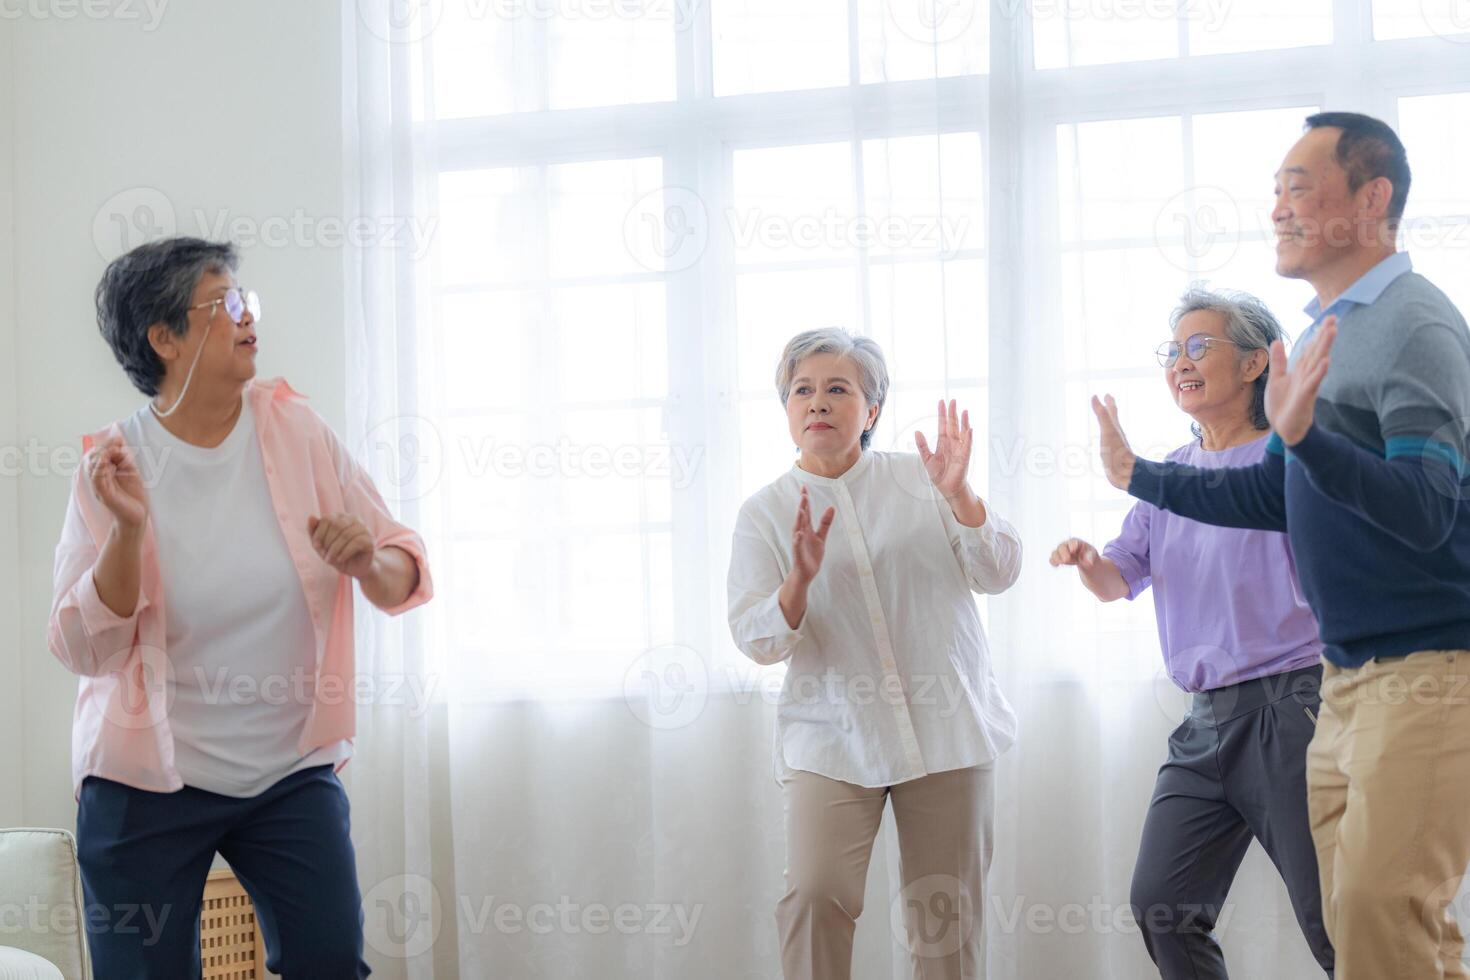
(144, 858)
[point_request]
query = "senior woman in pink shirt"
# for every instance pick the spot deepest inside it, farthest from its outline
(203, 593)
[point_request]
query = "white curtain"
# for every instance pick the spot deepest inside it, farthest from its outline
(595, 225)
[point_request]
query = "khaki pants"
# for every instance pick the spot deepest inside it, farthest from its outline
(1388, 792)
(945, 827)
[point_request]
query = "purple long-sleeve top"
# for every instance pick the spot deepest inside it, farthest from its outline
(1228, 602)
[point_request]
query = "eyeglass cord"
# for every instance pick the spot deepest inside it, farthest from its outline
(188, 377)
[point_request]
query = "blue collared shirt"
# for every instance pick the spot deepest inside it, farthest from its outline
(1363, 292)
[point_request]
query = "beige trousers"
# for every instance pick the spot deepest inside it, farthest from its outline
(945, 825)
(1388, 791)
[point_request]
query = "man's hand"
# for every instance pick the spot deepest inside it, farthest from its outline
(1291, 390)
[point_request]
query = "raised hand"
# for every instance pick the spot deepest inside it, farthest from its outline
(948, 465)
(1117, 456)
(113, 475)
(344, 542)
(1291, 390)
(808, 543)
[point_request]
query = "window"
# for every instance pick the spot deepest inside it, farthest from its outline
(1436, 128)
(490, 57)
(893, 261)
(612, 290)
(1448, 19)
(641, 201)
(1074, 33)
(1149, 201)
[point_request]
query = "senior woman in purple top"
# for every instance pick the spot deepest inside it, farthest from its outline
(1237, 632)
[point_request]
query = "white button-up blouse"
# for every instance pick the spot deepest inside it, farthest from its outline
(888, 674)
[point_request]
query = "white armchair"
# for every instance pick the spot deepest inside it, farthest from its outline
(42, 930)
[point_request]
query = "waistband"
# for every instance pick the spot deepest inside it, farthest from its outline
(1222, 704)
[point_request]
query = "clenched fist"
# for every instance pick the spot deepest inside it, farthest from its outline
(1075, 551)
(113, 475)
(344, 542)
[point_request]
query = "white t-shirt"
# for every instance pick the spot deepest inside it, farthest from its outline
(888, 675)
(240, 637)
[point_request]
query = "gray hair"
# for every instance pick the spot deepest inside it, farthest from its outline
(864, 352)
(1249, 325)
(154, 283)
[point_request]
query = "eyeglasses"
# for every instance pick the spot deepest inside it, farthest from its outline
(1195, 347)
(237, 303)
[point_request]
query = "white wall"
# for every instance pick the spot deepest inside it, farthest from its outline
(12, 781)
(222, 106)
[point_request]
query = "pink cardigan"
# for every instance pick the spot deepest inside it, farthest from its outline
(120, 730)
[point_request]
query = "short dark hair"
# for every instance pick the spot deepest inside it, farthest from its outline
(154, 283)
(1367, 149)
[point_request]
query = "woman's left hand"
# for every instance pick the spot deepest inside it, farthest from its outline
(949, 464)
(344, 542)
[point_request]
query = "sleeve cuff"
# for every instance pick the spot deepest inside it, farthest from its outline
(1128, 567)
(1147, 483)
(1317, 449)
(97, 616)
(409, 543)
(979, 537)
(773, 621)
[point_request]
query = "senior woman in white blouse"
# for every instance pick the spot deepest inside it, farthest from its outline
(888, 691)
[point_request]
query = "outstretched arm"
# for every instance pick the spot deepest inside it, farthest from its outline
(1244, 496)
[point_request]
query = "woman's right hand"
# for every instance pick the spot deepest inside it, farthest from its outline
(114, 478)
(1075, 551)
(1118, 458)
(1101, 575)
(808, 543)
